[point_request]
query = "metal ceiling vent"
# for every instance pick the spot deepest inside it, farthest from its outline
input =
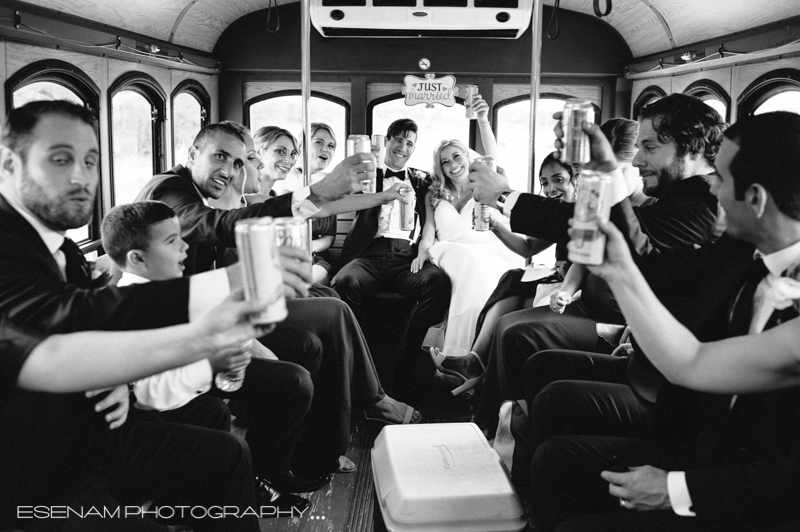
(499, 19)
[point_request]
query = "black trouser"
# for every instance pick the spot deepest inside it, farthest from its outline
(576, 392)
(347, 376)
(386, 266)
(517, 337)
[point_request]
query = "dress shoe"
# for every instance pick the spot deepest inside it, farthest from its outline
(285, 502)
(291, 483)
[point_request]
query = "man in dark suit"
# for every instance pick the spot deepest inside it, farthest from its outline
(315, 325)
(377, 254)
(49, 163)
(678, 139)
(712, 461)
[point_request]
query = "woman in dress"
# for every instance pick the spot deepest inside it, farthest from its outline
(558, 181)
(474, 260)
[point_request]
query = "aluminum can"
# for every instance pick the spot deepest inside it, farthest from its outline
(294, 232)
(470, 91)
(593, 203)
(407, 209)
(577, 148)
(379, 149)
(357, 144)
(230, 381)
(360, 144)
(263, 276)
(481, 211)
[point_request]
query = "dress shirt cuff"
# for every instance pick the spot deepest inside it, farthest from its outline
(511, 200)
(301, 206)
(619, 186)
(206, 290)
(679, 496)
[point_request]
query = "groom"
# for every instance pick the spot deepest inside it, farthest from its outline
(377, 253)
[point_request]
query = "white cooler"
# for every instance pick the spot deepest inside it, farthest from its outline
(442, 477)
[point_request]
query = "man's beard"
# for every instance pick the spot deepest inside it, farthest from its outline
(667, 177)
(56, 214)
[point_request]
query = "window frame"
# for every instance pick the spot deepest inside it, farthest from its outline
(195, 89)
(707, 89)
(76, 80)
(653, 91)
(765, 87)
(526, 97)
(147, 87)
(297, 92)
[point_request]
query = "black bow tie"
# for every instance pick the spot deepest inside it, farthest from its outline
(401, 175)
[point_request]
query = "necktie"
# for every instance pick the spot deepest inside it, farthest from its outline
(77, 269)
(743, 307)
(401, 175)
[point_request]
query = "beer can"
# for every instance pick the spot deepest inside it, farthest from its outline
(294, 232)
(360, 144)
(407, 209)
(480, 215)
(379, 149)
(357, 144)
(261, 267)
(488, 160)
(470, 91)
(592, 204)
(576, 143)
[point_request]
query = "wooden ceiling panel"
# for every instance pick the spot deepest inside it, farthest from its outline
(692, 21)
(205, 21)
(648, 26)
(153, 18)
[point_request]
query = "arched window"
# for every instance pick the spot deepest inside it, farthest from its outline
(58, 80)
(283, 109)
(137, 105)
(650, 94)
(778, 90)
(191, 106)
(435, 125)
(513, 135)
(713, 95)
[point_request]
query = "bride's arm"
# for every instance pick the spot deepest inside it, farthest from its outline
(427, 238)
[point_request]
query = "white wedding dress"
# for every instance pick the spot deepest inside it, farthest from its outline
(474, 261)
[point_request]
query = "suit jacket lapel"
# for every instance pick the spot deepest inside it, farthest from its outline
(19, 228)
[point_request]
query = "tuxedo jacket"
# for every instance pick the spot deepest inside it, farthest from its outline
(207, 230)
(743, 460)
(33, 293)
(365, 224)
(683, 217)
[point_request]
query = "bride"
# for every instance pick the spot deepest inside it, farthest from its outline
(474, 260)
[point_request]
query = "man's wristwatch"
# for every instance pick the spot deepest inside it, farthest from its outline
(501, 201)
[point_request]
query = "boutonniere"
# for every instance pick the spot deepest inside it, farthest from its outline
(781, 292)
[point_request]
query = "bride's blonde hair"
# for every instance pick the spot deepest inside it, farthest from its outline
(442, 185)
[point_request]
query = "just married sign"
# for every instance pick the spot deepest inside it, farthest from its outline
(430, 90)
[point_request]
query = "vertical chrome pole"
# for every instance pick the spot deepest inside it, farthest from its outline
(536, 74)
(305, 82)
(305, 96)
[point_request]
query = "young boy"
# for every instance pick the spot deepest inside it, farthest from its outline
(144, 241)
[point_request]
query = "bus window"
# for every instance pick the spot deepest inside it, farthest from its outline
(285, 112)
(187, 122)
(44, 90)
(513, 138)
(47, 90)
(788, 100)
(435, 125)
(132, 141)
(717, 105)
